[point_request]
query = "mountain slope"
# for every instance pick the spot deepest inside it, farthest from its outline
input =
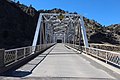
(18, 23)
(16, 27)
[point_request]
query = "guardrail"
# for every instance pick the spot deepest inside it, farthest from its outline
(107, 56)
(7, 57)
(16, 54)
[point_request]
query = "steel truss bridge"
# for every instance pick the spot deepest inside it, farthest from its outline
(57, 53)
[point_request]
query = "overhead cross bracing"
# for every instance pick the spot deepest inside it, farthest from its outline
(66, 27)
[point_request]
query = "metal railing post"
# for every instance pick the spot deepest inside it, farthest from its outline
(106, 57)
(24, 52)
(89, 51)
(15, 55)
(85, 48)
(30, 49)
(119, 60)
(2, 51)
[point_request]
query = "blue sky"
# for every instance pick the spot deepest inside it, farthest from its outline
(105, 12)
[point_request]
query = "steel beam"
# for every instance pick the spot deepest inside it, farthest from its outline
(83, 30)
(37, 32)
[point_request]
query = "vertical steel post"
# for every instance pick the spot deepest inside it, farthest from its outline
(83, 30)
(53, 38)
(41, 36)
(49, 33)
(74, 35)
(37, 32)
(68, 34)
(52, 35)
(46, 34)
(80, 47)
(64, 38)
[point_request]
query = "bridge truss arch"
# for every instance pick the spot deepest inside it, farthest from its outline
(69, 28)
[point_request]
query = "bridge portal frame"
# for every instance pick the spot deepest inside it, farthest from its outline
(46, 18)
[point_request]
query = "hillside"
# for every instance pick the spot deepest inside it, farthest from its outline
(16, 27)
(18, 23)
(98, 34)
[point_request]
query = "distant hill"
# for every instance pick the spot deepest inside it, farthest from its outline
(18, 23)
(100, 34)
(115, 28)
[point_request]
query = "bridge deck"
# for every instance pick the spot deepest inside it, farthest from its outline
(63, 62)
(60, 62)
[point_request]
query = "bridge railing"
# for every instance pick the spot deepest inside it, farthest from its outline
(16, 54)
(107, 56)
(7, 57)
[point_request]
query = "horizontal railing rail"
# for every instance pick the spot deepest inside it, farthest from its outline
(107, 56)
(14, 55)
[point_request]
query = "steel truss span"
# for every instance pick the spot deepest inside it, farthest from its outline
(65, 27)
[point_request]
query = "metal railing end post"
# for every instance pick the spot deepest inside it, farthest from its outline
(2, 56)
